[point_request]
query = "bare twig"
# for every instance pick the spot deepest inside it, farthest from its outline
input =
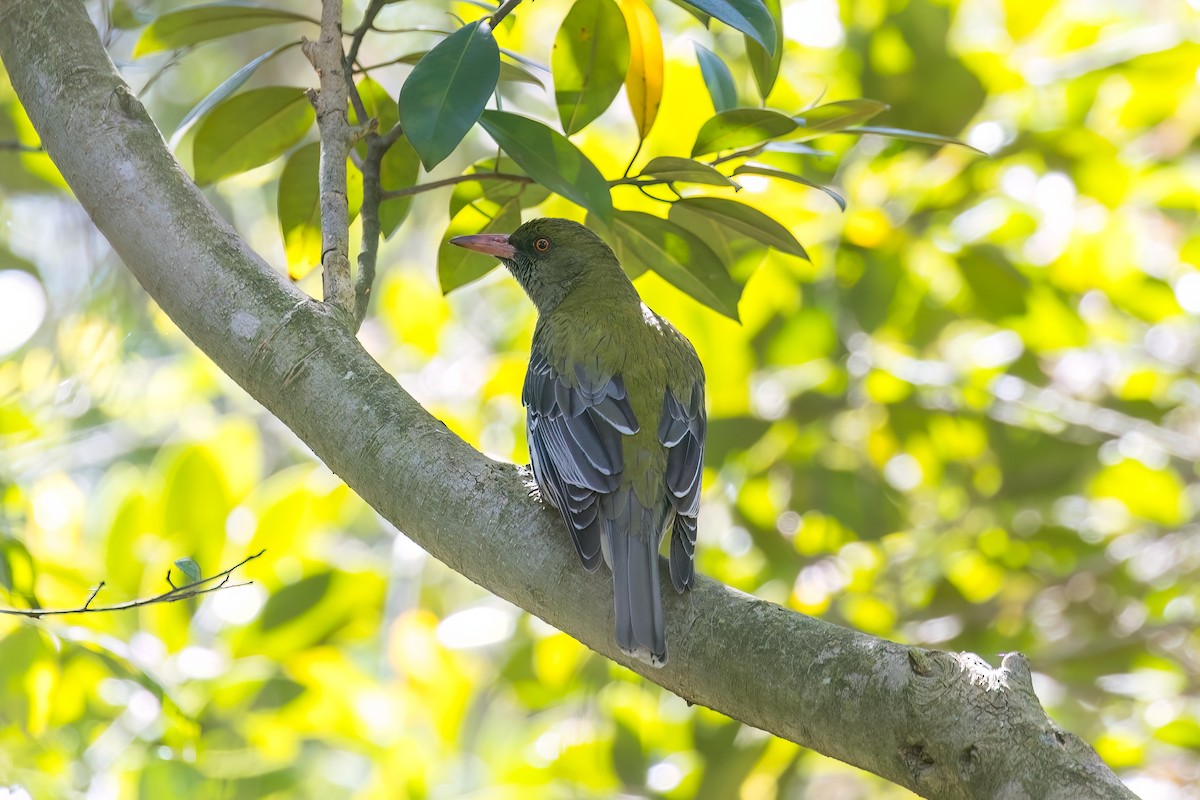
(504, 10)
(212, 583)
(474, 176)
(20, 148)
(337, 137)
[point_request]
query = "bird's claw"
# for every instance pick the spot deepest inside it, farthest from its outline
(526, 472)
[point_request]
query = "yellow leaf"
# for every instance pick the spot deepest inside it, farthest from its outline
(644, 81)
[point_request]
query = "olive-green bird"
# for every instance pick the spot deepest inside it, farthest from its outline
(615, 417)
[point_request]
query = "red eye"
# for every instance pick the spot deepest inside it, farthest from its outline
(542, 245)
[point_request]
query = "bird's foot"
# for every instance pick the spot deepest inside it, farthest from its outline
(526, 473)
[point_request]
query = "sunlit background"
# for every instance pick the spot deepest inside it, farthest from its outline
(971, 422)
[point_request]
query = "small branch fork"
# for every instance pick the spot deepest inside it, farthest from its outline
(213, 583)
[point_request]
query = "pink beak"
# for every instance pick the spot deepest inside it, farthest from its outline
(492, 244)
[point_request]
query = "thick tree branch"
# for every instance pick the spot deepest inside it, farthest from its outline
(941, 724)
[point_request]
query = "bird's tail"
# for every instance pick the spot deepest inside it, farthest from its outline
(631, 541)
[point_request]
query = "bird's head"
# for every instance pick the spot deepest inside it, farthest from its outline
(551, 258)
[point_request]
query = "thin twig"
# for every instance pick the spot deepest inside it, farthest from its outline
(212, 583)
(504, 10)
(337, 137)
(20, 148)
(474, 176)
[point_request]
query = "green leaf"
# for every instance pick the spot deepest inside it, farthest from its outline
(509, 72)
(498, 191)
(550, 159)
(458, 266)
(400, 165)
(249, 130)
(398, 170)
(748, 16)
(124, 17)
(717, 78)
(515, 73)
(837, 116)
(912, 136)
(753, 169)
(589, 61)
(763, 62)
(685, 170)
(226, 88)
(295, 600)
(204, 23)
(189, 568)
(484, 206)
(679, 256)
(447, 89)
(745, 220)
(741, 127)
(300, 207)
(378, 104)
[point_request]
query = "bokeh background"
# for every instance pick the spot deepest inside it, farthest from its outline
(971, 422)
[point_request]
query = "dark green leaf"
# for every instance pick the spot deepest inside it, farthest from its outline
(550, 159)
(912, 136)
(740, 253)
(748, 16)
(741, 127)
(745, 220)
(717, 78)
(685, 170)
(589, 61)
(753, 169)
(447, 89)
(204, 23)
(679, 256)
(628, 757)
(765, 63)
(512, 73)
(837, 116)
(189, 568)
(294, 600)
(226, 88)
(249, 130)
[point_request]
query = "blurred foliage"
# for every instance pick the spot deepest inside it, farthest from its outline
(971, 421)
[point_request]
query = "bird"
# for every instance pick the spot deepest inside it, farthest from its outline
(615, 418)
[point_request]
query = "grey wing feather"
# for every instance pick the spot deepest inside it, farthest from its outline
(575, 429)
(682, 430)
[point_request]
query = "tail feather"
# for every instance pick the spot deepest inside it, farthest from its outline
(632, 539)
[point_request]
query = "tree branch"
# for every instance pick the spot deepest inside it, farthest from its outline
(944, 725)
(213, 583)
(337, 137)
(19, 147)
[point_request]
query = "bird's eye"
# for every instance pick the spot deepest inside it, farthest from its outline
(542, 245)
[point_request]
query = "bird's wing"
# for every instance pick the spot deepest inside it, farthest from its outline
(682, 430)
(575, 423)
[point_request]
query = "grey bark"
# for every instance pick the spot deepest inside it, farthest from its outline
(943, 725)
